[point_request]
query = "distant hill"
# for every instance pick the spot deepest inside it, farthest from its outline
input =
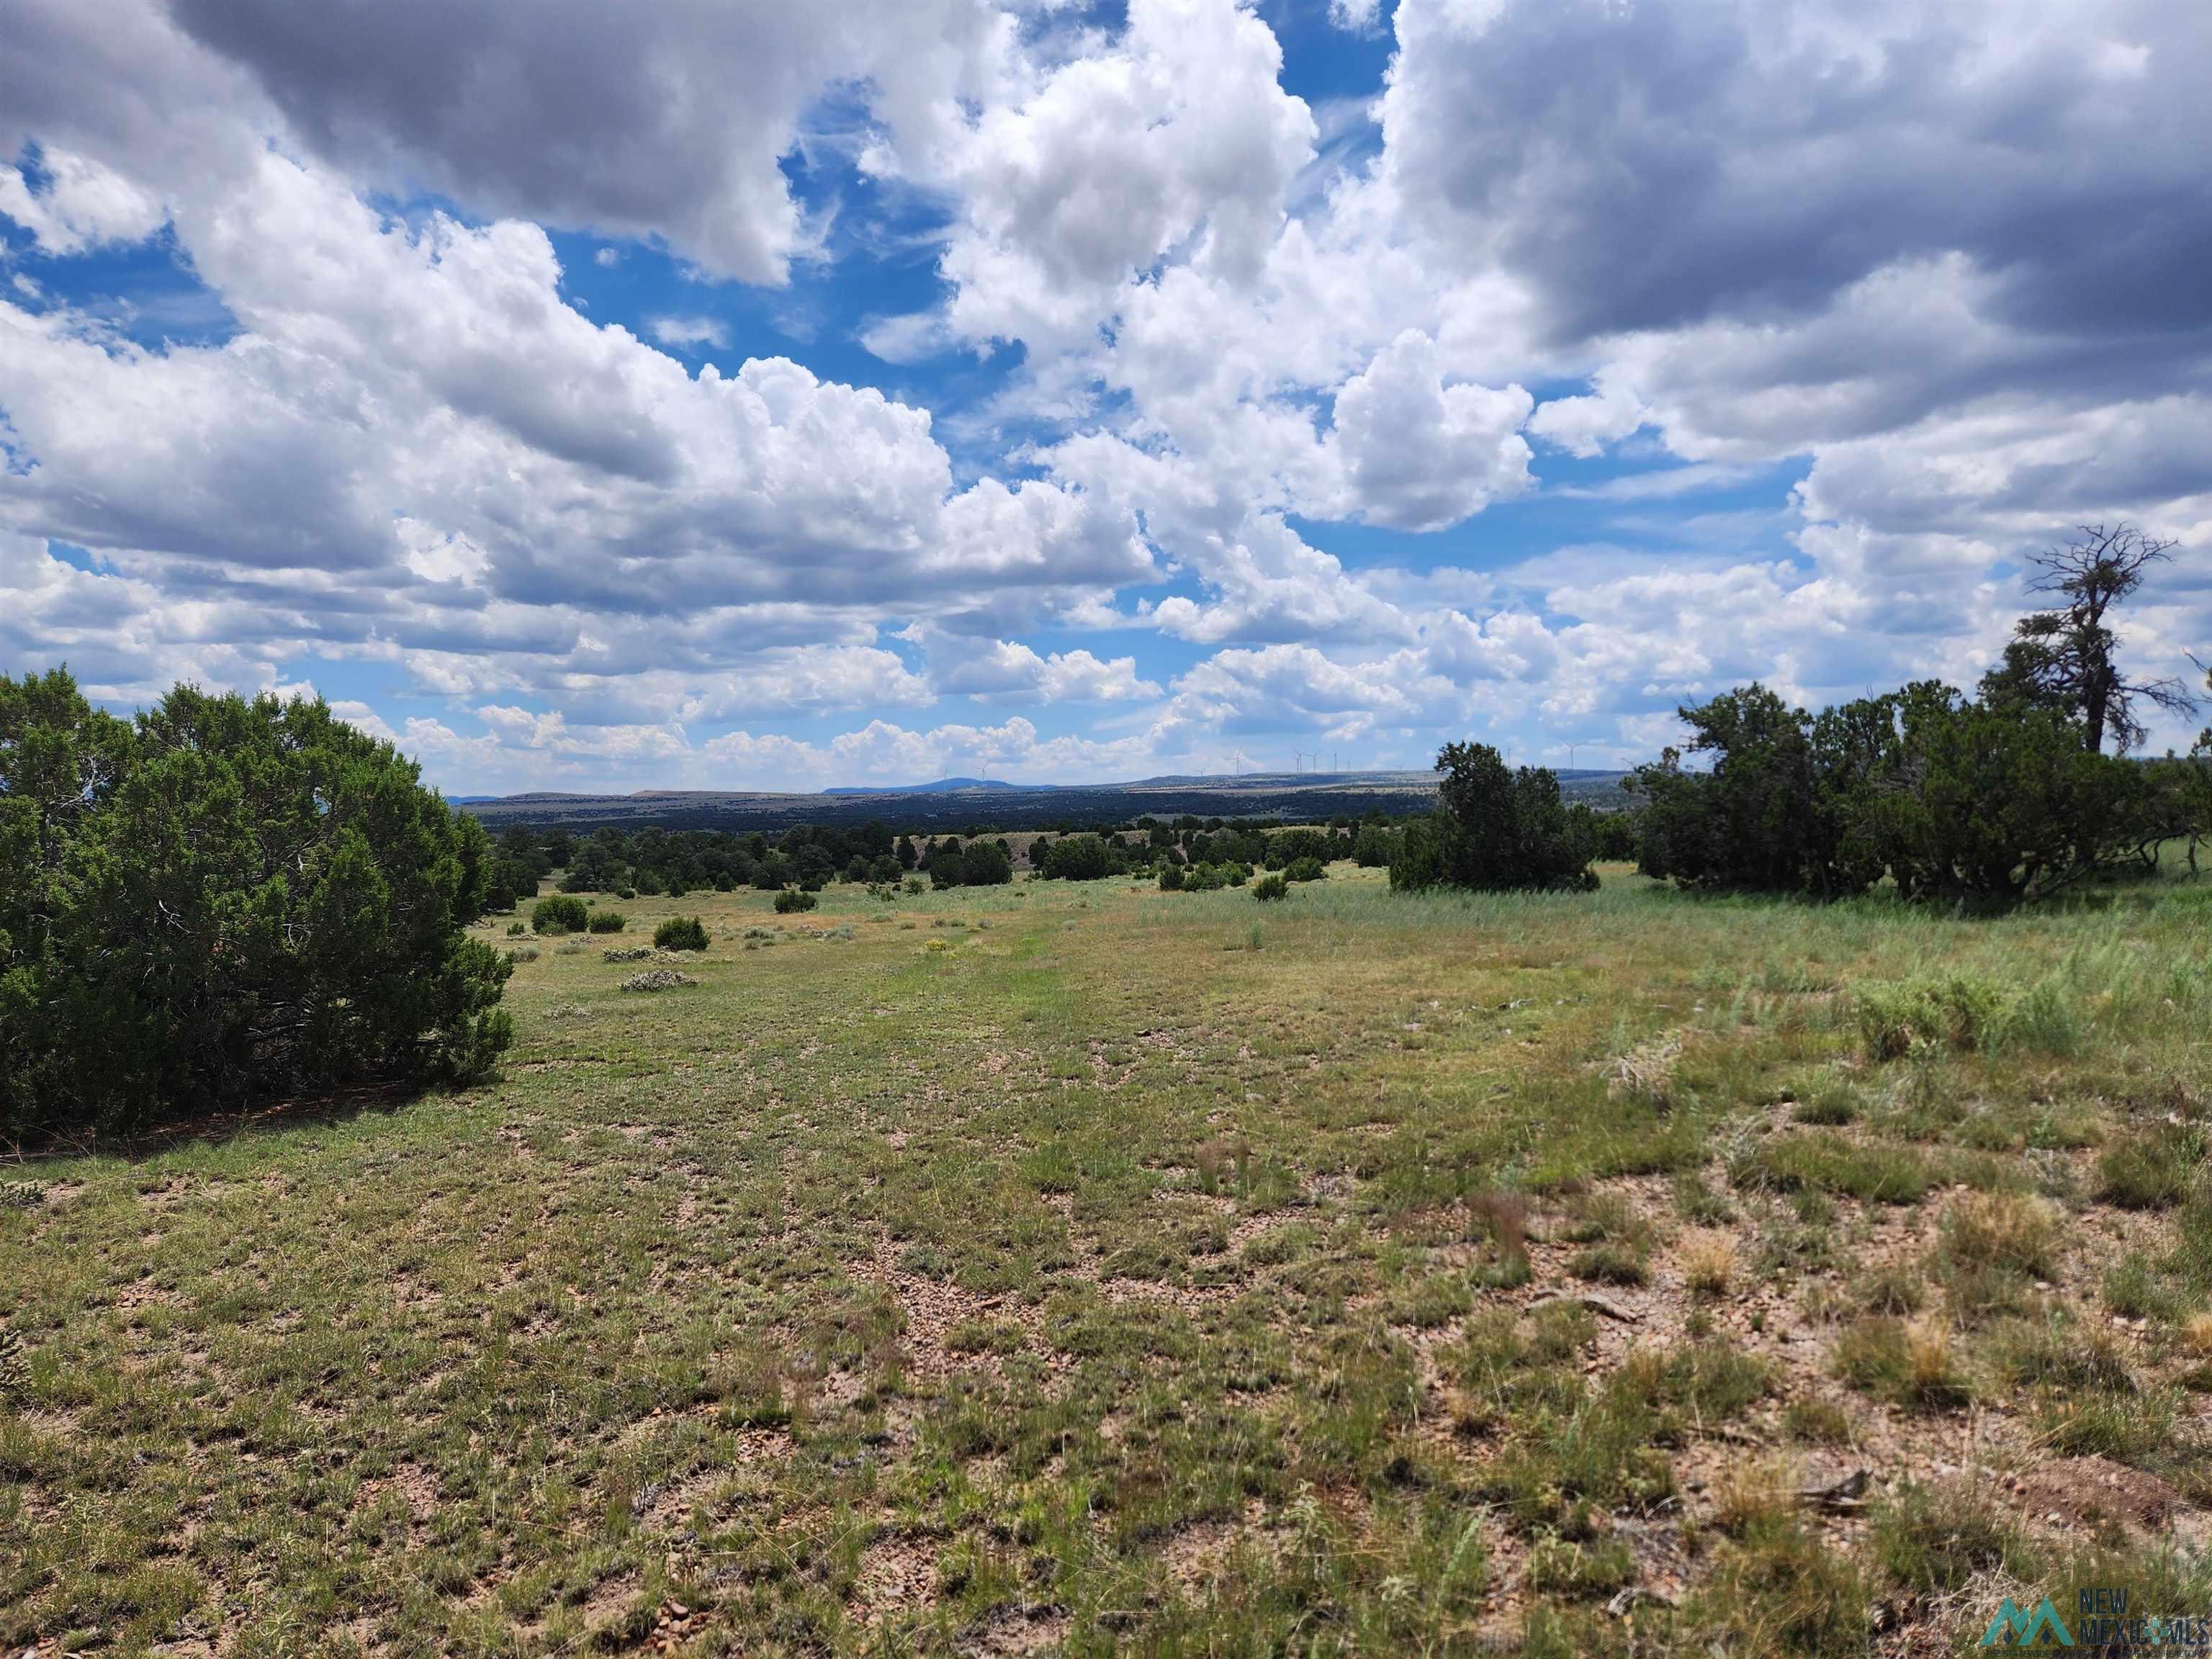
(943, 785)
(955, 803)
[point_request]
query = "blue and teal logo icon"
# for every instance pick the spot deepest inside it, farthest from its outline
(2028, 1628)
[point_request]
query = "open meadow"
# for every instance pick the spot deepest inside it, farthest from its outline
(1079, 1266)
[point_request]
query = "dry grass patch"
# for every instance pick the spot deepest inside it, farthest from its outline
(1707, 1260)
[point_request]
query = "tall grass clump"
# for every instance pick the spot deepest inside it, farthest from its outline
(1959, 1012)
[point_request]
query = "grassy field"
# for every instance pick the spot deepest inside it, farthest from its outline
(1084, 1268)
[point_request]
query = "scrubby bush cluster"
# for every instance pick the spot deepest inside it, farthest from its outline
(682, 934)
(1956, 799)
(1205, 878)
(1194, 855)
(655, 861)
(793, 899)
(560, 914)
(1990, 799)
(980, 864)
(224, 899)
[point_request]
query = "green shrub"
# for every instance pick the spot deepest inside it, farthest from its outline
(1305, 869)
(1170, 877)
(608, 921)
(790, 901)
(1078, 858)
(681, 933)
(1374, 847)
(2134, 1289)
(1591, 1446)
(559, 912)
(224, 901)
(1270, 888)
(1987, 804)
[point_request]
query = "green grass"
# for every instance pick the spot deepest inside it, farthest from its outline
(1062, 1265)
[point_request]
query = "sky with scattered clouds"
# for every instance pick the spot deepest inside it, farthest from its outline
(733, 393)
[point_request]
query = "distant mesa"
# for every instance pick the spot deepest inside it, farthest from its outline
(942, 786)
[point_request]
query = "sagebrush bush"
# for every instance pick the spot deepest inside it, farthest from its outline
(608, 921)
(681, 933)
(789, 902)
(560, 913)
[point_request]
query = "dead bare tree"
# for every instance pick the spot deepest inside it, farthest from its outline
(2067, 657)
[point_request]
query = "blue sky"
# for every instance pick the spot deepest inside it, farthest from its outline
(781, 397)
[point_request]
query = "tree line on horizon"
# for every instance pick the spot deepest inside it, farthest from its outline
(2006, 796)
